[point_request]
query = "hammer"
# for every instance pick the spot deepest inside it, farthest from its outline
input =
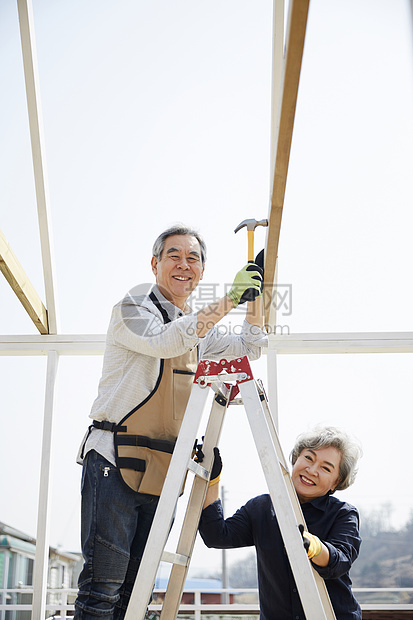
(251, 226)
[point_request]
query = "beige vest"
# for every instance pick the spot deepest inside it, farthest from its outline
(146, 437)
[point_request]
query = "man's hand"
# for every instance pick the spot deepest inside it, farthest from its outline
(312, 544)
(247, 285)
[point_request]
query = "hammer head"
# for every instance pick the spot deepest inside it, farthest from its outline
(251, 224)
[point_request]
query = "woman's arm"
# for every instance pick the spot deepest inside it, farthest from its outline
(220, 533)
(323, 558)
(341, 545)
(216, 531)
(212, 495)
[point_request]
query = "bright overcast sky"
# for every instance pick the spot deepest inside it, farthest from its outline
(157, 112)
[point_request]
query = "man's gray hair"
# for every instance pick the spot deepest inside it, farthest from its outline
(178, 229)
(330, 436)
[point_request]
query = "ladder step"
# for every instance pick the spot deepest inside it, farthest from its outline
(197, 469)
(221, 378)
(175, 558)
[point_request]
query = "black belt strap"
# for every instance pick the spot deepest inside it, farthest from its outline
(160, 445)
(125, 462)
(109, 426)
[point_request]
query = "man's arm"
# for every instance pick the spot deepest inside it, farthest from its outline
(212, 314)
(255, 313)
(140, 329)
(247, 278)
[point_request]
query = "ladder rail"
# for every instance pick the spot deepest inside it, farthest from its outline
(189, 530)
(321, 586)
(164, 514)
(314, 607)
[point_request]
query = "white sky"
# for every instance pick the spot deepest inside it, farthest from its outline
(157, 112)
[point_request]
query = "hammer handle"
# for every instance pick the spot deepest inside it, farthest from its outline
(250, 246)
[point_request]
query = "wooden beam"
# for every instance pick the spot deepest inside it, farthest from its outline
(21, 285)
(339, 343)
(296, 28)
(31, 76)
(277, 70)
(287, 344)
(64, 344)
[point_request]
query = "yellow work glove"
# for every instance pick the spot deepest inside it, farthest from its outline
(247, 285)
(312, 544)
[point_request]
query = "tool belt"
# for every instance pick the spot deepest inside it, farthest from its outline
(146, 460)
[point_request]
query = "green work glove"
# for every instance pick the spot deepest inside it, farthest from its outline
(247, 285)
(312, 544)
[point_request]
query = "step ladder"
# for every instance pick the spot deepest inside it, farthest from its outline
(228, 379)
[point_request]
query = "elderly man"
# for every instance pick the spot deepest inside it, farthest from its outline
(153, 345)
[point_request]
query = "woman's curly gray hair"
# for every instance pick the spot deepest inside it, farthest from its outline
(178, 229)
(330, 436)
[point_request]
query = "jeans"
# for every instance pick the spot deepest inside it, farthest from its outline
(115, 527)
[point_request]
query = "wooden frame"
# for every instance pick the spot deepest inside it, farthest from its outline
(317, 343)
(284, 113)
(38, 154)
(21, 285)
(285, 82)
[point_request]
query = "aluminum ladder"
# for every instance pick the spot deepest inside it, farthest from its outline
(227, 379)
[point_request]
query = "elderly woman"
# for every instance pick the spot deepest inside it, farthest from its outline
(324, 461)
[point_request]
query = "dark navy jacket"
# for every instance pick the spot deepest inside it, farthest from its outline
(336, 523)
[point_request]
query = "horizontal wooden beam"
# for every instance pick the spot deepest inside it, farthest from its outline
(286, 105)
(94, 344)
(21, 285)
(64, 344)
(357, 342)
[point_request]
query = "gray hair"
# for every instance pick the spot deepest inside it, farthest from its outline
(326, 437)
(178, 229)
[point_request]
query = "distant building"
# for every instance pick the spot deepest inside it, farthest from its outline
(17, 551)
